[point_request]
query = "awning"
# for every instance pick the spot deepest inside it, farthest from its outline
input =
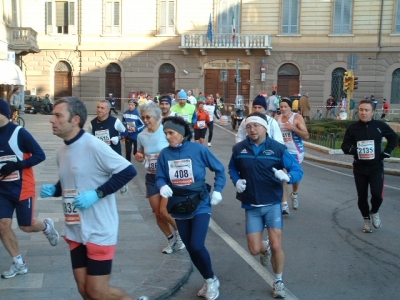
(10, 73)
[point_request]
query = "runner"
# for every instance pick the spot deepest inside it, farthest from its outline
(109, 130)
(181, 175)
(364, 139)
(212, 110)
(294, 130)
(258, 167)
(134, 125)
(89, 173)
(150, 142)
(203, 120)
(19, 152)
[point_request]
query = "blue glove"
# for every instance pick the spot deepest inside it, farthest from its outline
(48, 190)
(86, 199)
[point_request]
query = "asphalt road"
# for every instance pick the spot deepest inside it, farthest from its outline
(327, 254)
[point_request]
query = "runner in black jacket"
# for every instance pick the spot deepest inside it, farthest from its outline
(363, 139)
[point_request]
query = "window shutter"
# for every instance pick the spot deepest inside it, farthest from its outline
(116, 13)
(71, 20)
(163, 17)
(171, 17)
(49, 17)
(397, 28)
(72, 13)
(61, 13)
(294, 17)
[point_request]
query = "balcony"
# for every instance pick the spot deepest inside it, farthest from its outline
(246, 42)
(23, 39)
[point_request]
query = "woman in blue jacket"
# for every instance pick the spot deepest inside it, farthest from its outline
(180, 176)
(134, 125)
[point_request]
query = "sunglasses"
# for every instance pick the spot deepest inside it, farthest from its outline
(146, 117)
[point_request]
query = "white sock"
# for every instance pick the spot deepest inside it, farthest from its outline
(278, 277)
(284, 203)
(18, 259)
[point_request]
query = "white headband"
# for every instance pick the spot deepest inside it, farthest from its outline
(254, 119)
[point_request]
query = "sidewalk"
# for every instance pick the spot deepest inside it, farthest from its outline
(139, 266)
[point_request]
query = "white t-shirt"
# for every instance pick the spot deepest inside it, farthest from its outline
(83, 166)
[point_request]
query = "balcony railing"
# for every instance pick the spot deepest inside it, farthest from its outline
(246, 42)
(23, 39)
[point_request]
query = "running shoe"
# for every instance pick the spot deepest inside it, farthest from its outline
(209, 144)
(179, 245)
(285, 209)
(278, 290)
(15, 269)
(367, 226)
(170, 247)
(295, 201)
(202, 292)
(376, 220)
(51, 234)
(124, 190)
(265, 257)
(212, 291)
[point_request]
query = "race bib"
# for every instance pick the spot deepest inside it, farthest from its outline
(14, 175)
(71, 213)
(287, 136)
(366, 150)
(103, 135)
(201, 124)
(151, 163)
(185, 117)
(181, 172)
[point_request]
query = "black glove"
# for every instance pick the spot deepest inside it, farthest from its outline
(9, 167)
(384, 155)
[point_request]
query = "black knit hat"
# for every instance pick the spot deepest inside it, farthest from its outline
(5, 108)
(260, 100)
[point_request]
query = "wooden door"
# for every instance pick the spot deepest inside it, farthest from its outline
(288, 85)
(113, 86)
(62, 84)
(166, 83)
(227, 89)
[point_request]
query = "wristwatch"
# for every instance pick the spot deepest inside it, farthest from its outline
(99, 193)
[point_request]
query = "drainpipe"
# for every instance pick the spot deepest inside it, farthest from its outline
(380, 27)
(79, 44)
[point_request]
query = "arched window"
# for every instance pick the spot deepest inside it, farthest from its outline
(337, 83)
(166, 79)
(395, 91)
(288, 80)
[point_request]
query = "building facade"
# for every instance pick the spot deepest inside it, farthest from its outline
(95, 47)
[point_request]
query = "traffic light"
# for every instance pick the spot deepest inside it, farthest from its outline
(354, 83)
(347, 81)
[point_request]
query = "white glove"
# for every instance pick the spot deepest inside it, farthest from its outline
(241, 185)
(166, 191)
(216, 198)
(114, 140)
(282, 176)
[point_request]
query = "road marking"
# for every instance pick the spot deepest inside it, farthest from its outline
(248, 258)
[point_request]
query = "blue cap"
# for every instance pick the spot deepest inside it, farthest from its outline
(182, 95)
